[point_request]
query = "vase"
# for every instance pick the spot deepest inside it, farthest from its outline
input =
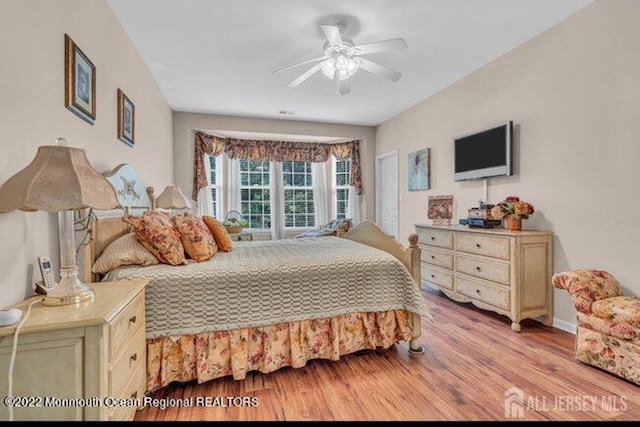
(512, 223)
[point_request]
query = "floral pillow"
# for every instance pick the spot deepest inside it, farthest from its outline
(125, 250)
(219, 232)
(155, 231)
(196, 238)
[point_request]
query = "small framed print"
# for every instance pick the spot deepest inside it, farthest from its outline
(80, 82)
(126, 119)
(440, 209)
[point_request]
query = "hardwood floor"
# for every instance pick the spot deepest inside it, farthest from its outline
(471, 359)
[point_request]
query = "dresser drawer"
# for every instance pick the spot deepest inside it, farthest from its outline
(125, 364)
(483, 267)
(482, 290)
(437, 257)
(125, 325)
(433, 237)
(493, 246)
(436, 275)
(133, 390)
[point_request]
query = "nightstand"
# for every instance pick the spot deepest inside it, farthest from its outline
(94, 352)
(241, 237)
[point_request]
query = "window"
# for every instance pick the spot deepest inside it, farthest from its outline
(341, 179)
(216, 184)
(297, 184)
(255, 193)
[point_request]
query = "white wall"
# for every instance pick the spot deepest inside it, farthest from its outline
(185, 124)
(574, 95)
(33, 113)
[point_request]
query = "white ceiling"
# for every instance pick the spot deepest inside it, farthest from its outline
(217, 56)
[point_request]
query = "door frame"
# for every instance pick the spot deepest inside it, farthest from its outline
(379, 160)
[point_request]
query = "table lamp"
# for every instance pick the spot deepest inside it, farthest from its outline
(60, 179)
(172, 198)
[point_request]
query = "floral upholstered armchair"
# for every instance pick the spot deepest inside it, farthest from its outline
(608, 334)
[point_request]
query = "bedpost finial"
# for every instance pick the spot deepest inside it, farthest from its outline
(413, 239)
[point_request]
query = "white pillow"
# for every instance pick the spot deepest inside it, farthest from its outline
(125, 250)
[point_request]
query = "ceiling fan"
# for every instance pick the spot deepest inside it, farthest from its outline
(342, 59)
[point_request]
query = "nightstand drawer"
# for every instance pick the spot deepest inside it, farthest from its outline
(132, 357)
(440, 276)
(439, 238)
(484, 291)
(485, 268)
(437, 257)
(497, 247)
(133, 390)
(125, 325)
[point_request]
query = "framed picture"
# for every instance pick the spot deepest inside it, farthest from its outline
(440, 209)
(418, 167)
(80, 82)
(126, 119)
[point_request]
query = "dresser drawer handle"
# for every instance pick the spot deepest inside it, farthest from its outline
(433, 238)
(134, 394)
(134, 357)
(433, 257)
(477, 268)
(433, 276)
(477, 291)
(478, 245)
(133, 319)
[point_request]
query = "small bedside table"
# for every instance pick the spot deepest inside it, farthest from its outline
(241, 237)
(94, 351)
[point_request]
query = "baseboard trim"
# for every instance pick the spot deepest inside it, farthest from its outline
(564, 325)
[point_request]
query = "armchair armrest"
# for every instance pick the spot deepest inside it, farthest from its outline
(587, 286)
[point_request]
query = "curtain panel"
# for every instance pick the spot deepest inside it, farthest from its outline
(277, 151)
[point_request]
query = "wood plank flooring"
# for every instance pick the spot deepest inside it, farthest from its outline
(471, 359)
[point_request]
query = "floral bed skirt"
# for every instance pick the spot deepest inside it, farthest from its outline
(266, 349)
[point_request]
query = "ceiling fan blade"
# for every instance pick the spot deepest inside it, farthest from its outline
(381, 46)
(332, 33)
(320, 58)
(343, 85)
(304, 76)
(379, 70)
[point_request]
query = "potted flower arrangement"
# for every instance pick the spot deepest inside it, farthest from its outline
(234, 225)
(513, 210)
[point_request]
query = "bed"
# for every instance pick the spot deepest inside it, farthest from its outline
(265, 305)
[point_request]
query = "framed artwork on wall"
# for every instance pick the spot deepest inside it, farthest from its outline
(126, 119)
(80, 82)
(418, 170)
(440, 209)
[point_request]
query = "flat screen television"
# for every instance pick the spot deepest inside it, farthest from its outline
(484, 154)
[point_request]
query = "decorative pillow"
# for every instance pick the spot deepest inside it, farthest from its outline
(219, 232)
(125, 250)
(196, 238)
(154, 230)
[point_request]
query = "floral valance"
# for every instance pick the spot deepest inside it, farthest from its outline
(277, 151)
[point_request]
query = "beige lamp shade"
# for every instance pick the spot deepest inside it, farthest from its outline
(59, 178)
(173, 198)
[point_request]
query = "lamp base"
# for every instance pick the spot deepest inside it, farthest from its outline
(70, 290)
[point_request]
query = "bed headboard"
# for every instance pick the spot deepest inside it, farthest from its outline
(107, 226)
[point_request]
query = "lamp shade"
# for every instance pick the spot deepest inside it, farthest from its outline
(59, 178)
(173, 198)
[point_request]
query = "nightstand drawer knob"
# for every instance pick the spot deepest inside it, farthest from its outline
(433, 257)
(433, 238)
(478, 245)
(433, 276)
(477, 291)
(133, 319)
(477, 268)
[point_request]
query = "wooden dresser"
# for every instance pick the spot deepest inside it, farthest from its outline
(508, 272)
(92, 353)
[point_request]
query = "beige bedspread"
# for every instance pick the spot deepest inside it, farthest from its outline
(268, 282)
